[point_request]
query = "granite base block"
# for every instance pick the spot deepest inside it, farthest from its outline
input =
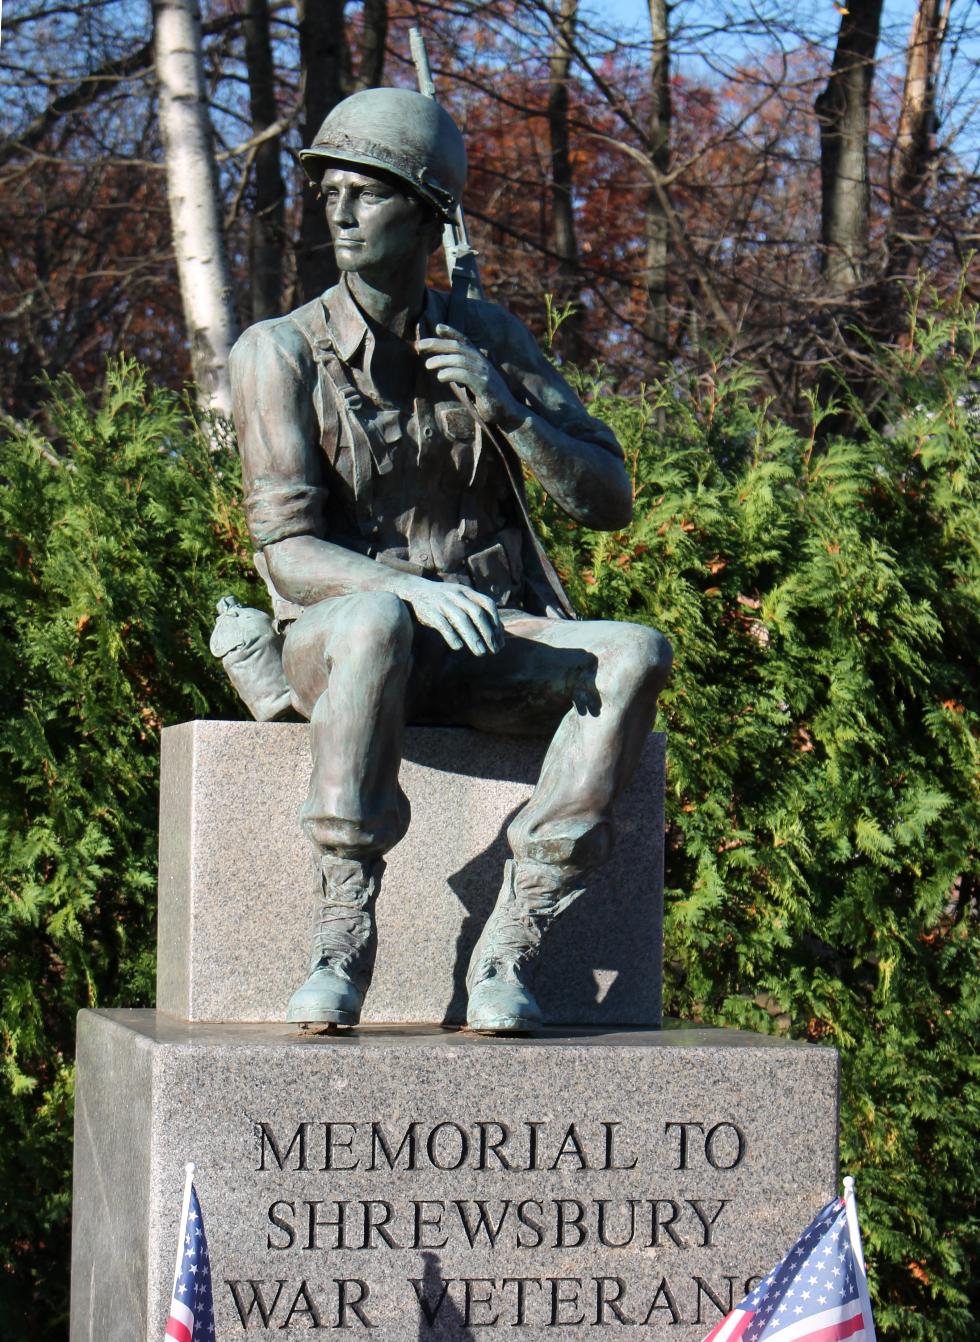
(237, 880)
(418, 1183)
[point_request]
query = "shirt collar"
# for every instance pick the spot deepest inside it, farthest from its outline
(348, 329)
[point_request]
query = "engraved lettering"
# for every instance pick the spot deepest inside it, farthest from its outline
(522, 1283)
(669, 1303)
(268, 1138)
(566, 1222)
(604, 1301)
(558, 1299)
(706, 1224)
(257, 1301)
(703, 1289)
(483, 1224)
(375, 1224)
(378, 1139)
(610, 1160)
(308, 1308)
(473, 1301)
(316, 1224)
(532, 1144)
(710, 1144)
(487, 1146)
(345, 1304)
(332, 1139)
(658, 1222)
(534, 1226)
(682, 1143)
(572, 1146)
(601, 1225)
(423, 1222)
(431, 1146)
(429, 1308)
(281, 1224)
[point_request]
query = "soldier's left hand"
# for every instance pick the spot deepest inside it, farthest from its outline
(453, 358)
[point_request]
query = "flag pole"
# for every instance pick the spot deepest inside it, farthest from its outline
(854, 1233)
(188, 1181)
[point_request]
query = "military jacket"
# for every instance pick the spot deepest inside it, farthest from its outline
(412, 480)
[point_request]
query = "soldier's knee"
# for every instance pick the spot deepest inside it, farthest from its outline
(639, 661)
(379, 625)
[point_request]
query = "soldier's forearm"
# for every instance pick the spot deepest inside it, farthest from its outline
(583, 478)
(306, 570)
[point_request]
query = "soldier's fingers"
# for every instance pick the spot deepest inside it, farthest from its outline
(473, 366)
(437, 621)
(490, 606)
(460, 372)
(433, 346)
(479, 617)
(444, 329)
(463, 622)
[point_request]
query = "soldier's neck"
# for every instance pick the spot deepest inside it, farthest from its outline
(395, 304)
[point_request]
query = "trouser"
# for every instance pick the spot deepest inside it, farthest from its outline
(360, 667)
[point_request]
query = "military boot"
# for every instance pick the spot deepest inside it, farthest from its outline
(500, 979)
(344, 943)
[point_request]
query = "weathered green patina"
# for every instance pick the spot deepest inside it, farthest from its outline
(384, 429)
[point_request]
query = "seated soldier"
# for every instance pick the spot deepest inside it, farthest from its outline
(383, 428)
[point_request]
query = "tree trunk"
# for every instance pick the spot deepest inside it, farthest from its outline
(374, 34)
(265, 238)
(192, 191)
(562, 205)
(325, 61)
(843, 112)
(915, 143)
(656, 326)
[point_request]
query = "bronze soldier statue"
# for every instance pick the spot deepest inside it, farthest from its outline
(383, 428)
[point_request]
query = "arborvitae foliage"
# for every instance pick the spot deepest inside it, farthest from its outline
(118, 537)
(823, 599)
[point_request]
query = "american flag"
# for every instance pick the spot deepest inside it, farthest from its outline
(816, 1294)
(192, 1307)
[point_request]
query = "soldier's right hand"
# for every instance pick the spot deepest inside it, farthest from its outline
(464, 617)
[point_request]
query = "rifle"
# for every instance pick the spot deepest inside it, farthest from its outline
(464, 274)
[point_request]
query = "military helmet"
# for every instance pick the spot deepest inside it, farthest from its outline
(399, 131)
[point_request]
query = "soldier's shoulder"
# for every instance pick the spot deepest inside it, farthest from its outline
(500, 331)
(278, 339)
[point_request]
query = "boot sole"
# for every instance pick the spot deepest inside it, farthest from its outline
(322, 1018)
(503, 1025)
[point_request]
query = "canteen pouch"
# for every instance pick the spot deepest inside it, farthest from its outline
(251, 653)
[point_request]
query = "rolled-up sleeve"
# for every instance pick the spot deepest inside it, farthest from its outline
(273, 379)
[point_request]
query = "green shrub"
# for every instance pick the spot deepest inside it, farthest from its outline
(823, 599)
(118, 536)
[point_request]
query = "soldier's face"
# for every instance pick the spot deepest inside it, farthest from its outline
(376, 227)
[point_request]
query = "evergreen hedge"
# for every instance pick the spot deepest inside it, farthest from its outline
(822, 595)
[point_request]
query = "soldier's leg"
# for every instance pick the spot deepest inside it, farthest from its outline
(348, 661)
(594, 684)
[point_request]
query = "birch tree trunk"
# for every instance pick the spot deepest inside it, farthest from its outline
(265, 239)
(192, 191)
(562, 204)
(656, 326)
(843, 112)
(915, 143)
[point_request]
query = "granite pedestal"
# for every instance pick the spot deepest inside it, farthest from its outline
(411, 1182)
(237, 880)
